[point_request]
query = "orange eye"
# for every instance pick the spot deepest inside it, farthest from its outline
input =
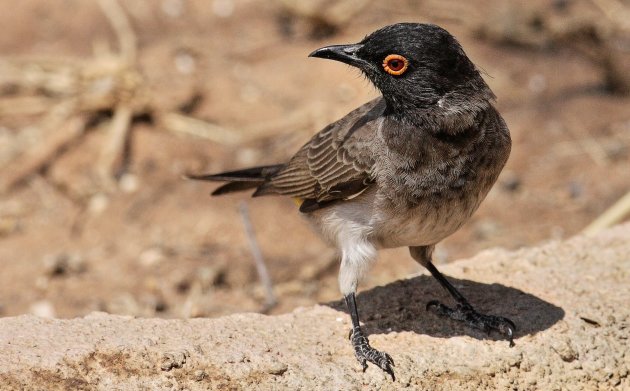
(395, 64)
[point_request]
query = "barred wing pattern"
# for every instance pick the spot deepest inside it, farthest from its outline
(335, 164)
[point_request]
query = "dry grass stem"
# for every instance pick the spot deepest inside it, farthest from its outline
(611, 216)
(261, 268)
(39, 156)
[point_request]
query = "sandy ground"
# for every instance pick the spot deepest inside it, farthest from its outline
(568, 300)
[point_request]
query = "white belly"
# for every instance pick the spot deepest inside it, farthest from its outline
(368, 219)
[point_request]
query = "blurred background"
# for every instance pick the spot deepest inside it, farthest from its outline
(104, 105)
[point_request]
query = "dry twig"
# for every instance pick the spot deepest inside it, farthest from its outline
(611, 216)
(184, 124)
(616, 11)
(106, 82)
(59, 127)
(261, 268)
(122, 27)
(111, 159)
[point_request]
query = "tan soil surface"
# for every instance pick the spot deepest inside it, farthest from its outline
(568, 299)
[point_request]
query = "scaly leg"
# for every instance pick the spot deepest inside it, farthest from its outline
(362, 349)
(463, 311)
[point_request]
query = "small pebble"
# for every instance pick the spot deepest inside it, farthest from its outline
(98, 203)
(199, 375)
(510, 182)
(172, 360)
(64, 264)
(210, 276)
(277, 368)
(151, 257)
(129, 183)
(185, 63)
(43, 309)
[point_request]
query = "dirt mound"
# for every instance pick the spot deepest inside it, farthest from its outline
(568, 299)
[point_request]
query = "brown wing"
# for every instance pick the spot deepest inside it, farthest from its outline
(335, 164)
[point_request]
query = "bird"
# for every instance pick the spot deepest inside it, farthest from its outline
(406, 169)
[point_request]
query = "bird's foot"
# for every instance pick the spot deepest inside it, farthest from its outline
(467, 314)
(364, 353)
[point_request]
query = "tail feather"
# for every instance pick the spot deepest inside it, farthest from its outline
(239, 180)
(232, 187)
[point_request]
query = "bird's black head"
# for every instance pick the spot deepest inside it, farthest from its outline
(415, 66)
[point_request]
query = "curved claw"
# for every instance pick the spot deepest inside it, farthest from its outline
(466, 313)
(364, 353)
(511, 338)
(386, 363)
(390, 371)
(512, 325)
(388, 366)
(507, 330)
(390, 359)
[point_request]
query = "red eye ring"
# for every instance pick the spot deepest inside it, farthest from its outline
(395, 64)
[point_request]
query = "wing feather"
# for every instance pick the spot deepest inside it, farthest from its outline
(335, 164)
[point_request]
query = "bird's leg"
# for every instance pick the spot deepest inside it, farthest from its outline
(464, 312)
(362, 349)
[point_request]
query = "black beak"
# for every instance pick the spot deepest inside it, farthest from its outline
(343, 53)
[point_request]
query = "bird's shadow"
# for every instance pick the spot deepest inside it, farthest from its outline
(401, 306)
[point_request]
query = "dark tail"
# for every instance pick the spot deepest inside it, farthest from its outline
(239, 180)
